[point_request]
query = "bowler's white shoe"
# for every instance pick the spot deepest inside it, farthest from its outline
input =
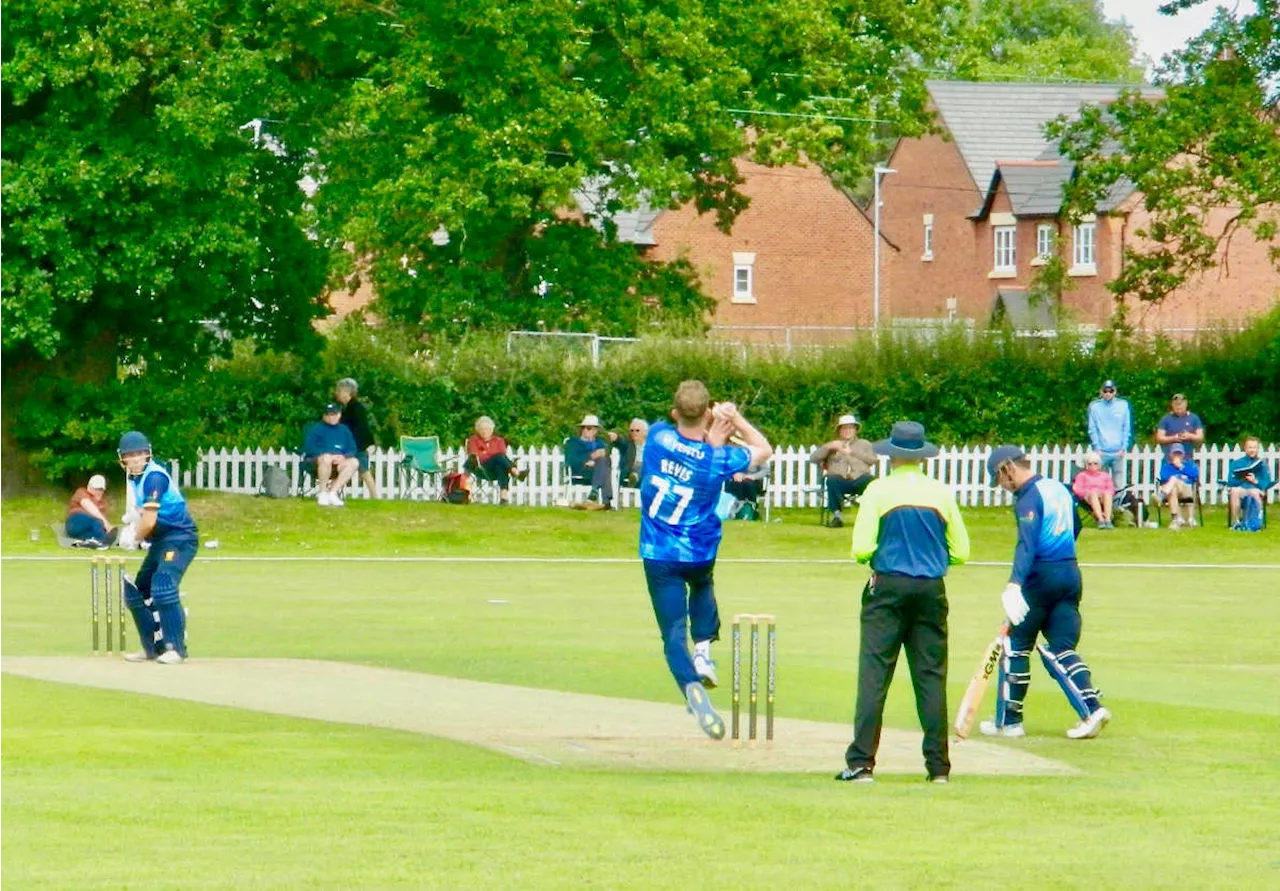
(1013, 731)
(171, 657)
(1090, 726)
(706, 670)
(139, 656)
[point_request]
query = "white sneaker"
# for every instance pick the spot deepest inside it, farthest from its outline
(335, 500)
(706, 670)
(1176, 524)
(139, 656)
(171, 657)
(1012, 731)
(322, 498)
(1090, 726)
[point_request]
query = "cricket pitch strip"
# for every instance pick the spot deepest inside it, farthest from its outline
(547, 727)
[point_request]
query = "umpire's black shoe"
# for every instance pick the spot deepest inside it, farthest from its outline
(856, 775)
(835, 523)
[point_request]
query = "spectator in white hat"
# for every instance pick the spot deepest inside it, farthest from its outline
(588, 457)
(87, 523)
(849, 463)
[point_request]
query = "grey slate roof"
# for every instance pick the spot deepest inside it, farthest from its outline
(1034, 190)
(634, 226)
(993, 122)
(1012, 304)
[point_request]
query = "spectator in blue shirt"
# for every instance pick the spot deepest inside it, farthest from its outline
(331, 446)
(1180, 426)
(1111, 432)
(1249, 479)
(588, 457)
(1179, 477)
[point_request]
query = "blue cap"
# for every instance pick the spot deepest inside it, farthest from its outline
(132, 442)
(1177, 449)
(1000, 456)
(333, 408)
(1108, 385)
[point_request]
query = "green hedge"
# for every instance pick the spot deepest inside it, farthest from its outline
(988, 388)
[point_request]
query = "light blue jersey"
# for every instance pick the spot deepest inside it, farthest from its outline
(680, 483)
(155, 488)
(1047, 527)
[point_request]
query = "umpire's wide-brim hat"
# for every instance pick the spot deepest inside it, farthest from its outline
(906, 440)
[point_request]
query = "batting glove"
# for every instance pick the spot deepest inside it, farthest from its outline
(1015, 605)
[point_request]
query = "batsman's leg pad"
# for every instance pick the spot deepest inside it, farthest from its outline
(173, 621)
(1014, 678)
(133, 597)
(1072, 675)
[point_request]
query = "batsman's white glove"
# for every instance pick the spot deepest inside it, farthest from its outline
(128, 538)
(1015, 605)
(131, 516)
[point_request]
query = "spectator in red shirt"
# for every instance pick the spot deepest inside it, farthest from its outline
(487, 458)
(87, 522)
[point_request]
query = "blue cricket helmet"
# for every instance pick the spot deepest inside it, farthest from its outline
(132, 442)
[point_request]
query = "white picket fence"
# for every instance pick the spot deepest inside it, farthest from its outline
(793, 478)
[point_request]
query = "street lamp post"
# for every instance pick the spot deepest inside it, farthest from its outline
(875, 278)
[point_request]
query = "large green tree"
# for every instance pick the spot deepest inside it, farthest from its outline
(146, 217)
(484, 117)
(1209, 150)
(1041, 40)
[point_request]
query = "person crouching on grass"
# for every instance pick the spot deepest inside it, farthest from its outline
(682, 472)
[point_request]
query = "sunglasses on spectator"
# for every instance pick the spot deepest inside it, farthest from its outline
(1094, 464)
(1108, 389)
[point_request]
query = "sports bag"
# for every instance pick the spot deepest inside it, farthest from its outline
(276, 482)
(457, 488)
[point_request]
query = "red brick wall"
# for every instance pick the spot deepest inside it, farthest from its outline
(813, 263)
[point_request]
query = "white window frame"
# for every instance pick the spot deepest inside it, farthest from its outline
(1084, 248)
(744, 267)
(1004, 241)
(928, 238)
(1044, 244)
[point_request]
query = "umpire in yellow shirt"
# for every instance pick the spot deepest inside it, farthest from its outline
(909, 529)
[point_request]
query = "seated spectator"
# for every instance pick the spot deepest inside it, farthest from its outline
(1096, 488)
(1248, 481)
(631, 451)
(329, 444)
(87, 524)
(1179, 477)
(588, 457)
(355, 417)
(747, 488)
(849, 463)
(487, 458)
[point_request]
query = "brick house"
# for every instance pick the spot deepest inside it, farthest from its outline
(975, 214)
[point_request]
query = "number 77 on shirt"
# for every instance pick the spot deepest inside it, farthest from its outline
(977, 689)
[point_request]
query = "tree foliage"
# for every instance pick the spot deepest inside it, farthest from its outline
(1042, 40)
(1208, 150)
(480, 119)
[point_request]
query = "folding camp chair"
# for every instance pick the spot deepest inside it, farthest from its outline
(1226, 499)
(1158, 497)
(571, 479)
(1125, 500)
(418, 473)
(847, 500)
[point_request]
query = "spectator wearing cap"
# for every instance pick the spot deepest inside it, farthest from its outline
(1111, 432)
(87, 523)
(910, 531)
(329, 444)
(355, 417)
(1180, 427)
(1179, 477)
(588, 457)
(487, 457)
(849, 464)
(630, 447)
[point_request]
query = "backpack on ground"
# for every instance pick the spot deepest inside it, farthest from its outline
(1250, 516)
(457, 488)
(276, 482)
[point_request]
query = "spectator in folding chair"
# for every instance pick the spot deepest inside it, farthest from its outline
(1096, 488)
(1247, 485)
(630, 448)
(748, 488)
(1179, 479)
(587, 455)
(849, 463)
(87, 524)
(487, 458)
(355, 416)
(328, 443)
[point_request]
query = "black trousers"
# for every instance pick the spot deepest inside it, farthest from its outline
(900, 611)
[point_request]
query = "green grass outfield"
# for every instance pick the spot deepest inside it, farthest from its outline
(114, 790)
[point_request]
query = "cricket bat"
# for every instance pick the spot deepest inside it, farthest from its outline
(977, 689)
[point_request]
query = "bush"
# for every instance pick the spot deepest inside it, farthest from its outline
(987, 388)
